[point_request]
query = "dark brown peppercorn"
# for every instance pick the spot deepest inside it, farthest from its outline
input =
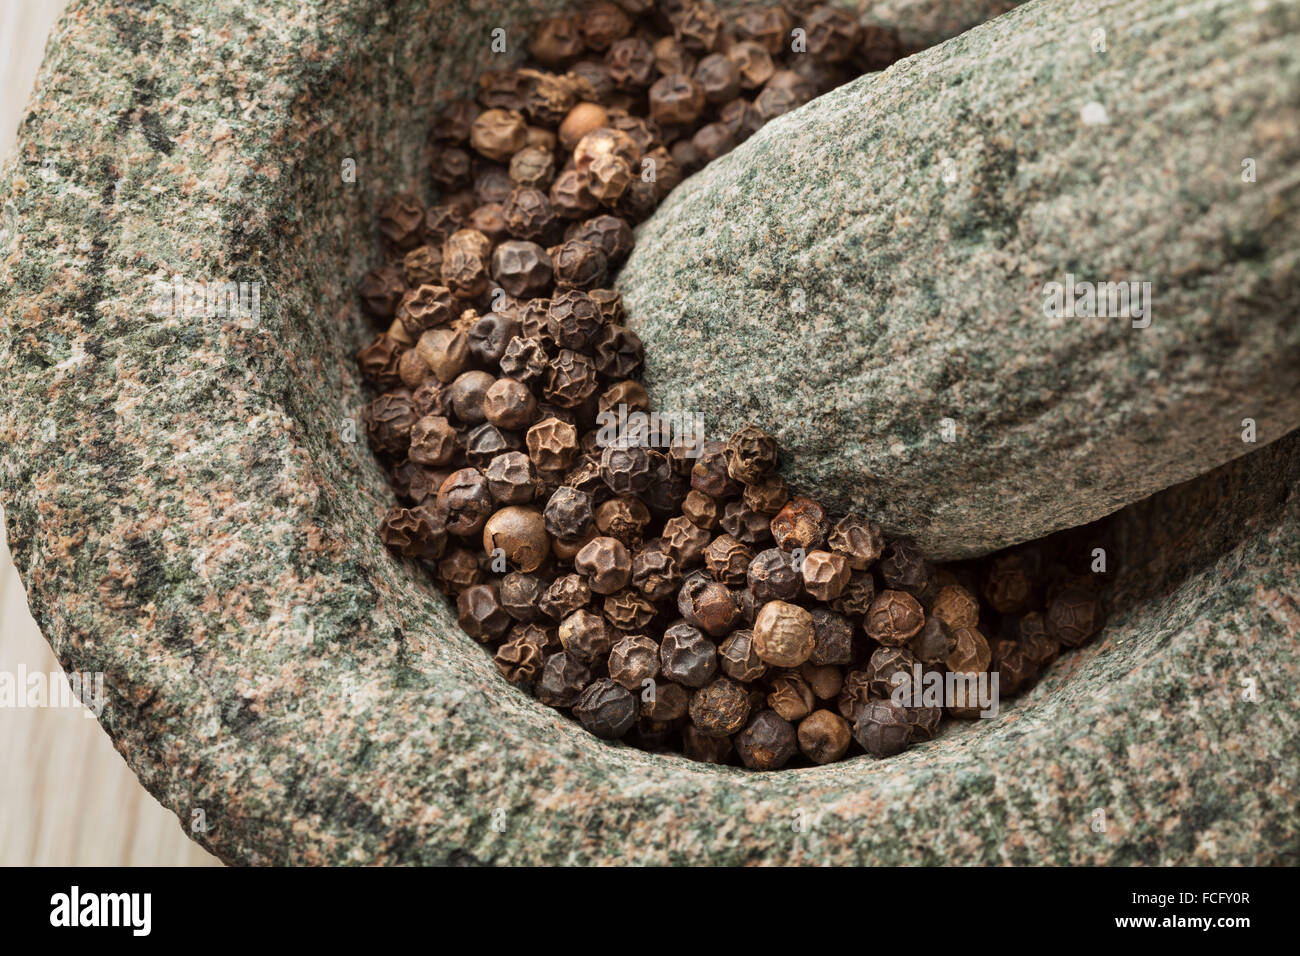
(832, 638)
(956, 606)
(481, 616)
(484, 442)
(895, 618)
(1014, 666)
(378, 360)
(719, 709)
(449, 167)
(443, 221)
(520, 660)
(853, 694)
(698, 26)
(571, 380)
(634, 660)
(687, 656)
(751, 454)
(498, 133)
(567, 594)
(569, 513)
(605, 563)
(579, 265)
(606, 709)
(520, 595)
(618, 352)
(570, 198)
(522, 268)
(425, 307)
(746, 525)
(855, 600)
(799, 525)
(1041, 647)
(1007, 587)
(413, 533)
(381, 290)
(655, 574)
(466, 501)
(923, 722)
(768, 26)
(904, 569)
(1073, 615)
(665, 700)
(772, 576)
(563, 679)
(626, 470)
(467, 393)
(525, 359)
(510, 478)
(884, 668)
(767, 742)
(509, 404)
(623, 518)
(783, 92)
(627, 610)
(713, 141)
(707, 605)
(465, 263)
(528, 214)
(459, 570)
(389, 419)
(742, 119)
(603, 23)
(739, 660)
(709, 472)
(728, 560)
(552, 444)
(684, 542)
(882, 728)
(611, 234)
(701, 510)
(704, 749)
(718, 78)
(933, 643)
(556, 41)
(401, 221)
(573, 319)
(824, 736)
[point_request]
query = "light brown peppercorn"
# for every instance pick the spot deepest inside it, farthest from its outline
(825, 680)
(570, 197)
(895, 618)
(676, 100)
(465, 263)
(970, 651)
(623, 518)
(628, 610)
(556, 41)
(605, 563)
(790, 696)
(519, 660)
(521, 534)
(720, 708)
(859, 540)
(425, 307)
(631, 64)
(783, 634)
(799, 525)
(752, 62)
(378, 360)
(670, 56)
(552, 444)
(509, 404)
(825, 574)
(833, 34)
(522, 268)
(824, 737)
(586, 636)
(956, 607)
(603, 23)
(684, 542)
(498, 133)
(401, 221)
(433, 441)
(633, 660)
(571, 379)
(701, 510)
(580, 121)
(768, 26)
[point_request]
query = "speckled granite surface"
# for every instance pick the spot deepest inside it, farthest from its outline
(188, 517)
(864, 277)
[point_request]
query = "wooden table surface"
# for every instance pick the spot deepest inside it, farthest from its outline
(66, 796)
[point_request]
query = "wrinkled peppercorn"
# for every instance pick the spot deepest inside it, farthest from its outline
(895, 618)
(707, 605)
(466, 501)
(767, 742)
(720, 708)
(825, 575)
(728, 560)
(832, 638)
(1073, 615)
(563, 679)
(772, 576)
(739, 660)
(481, 616)
(798, 525)
(552, 444)
(655, 574)
(783, 634)
(521, 534)
(882, 728)
(606, 708)
(605, 563)
(859, 540)
(687, 656)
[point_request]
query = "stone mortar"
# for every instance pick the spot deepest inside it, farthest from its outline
(189, 517)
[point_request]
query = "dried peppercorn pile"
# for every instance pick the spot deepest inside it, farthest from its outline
(675, 594)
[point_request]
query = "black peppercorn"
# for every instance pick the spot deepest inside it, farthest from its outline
(707, 605)
(720, 708)
(466, 501)
(772, 576)
(569, 513)
(832, 638)
(882, 728)
(480, 613)
(687, 656)
(563, 679)
(606, 708)
(520, 595)
(767, 742)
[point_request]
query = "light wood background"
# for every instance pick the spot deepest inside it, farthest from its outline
(66, 796)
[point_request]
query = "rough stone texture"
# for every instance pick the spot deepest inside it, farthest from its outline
(919, 213)
(923, 23)
(189, 518)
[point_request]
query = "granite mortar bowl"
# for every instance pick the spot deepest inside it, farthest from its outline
(193, 515)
